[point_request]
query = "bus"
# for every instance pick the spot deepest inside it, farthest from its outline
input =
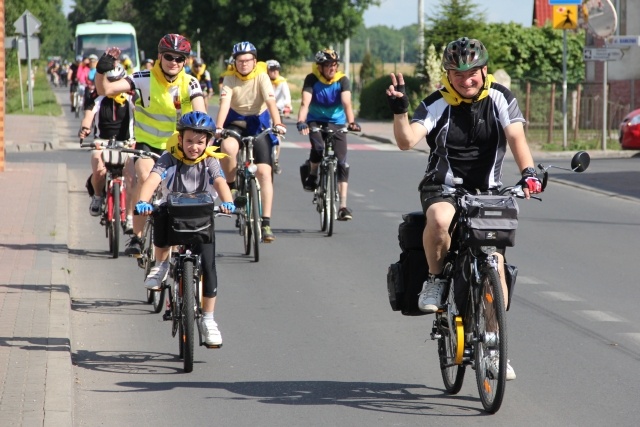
(96, 37)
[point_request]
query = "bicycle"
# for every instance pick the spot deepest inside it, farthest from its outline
(113, 209)
(326, 196)
(78, 99)
(250, 202)
(146, 260)
(184, 293)
(471, 327)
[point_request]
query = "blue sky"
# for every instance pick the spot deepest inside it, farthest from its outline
(400, 13)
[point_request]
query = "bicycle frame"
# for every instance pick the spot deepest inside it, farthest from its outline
(327, 195)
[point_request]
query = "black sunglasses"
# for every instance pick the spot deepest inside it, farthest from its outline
(177, 59)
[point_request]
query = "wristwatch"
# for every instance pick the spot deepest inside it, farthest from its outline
(528, 171)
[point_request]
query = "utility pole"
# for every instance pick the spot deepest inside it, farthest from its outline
(421, 36)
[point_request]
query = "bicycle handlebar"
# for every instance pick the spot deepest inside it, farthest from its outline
(235, 135)
(107, 143)
(326, 130)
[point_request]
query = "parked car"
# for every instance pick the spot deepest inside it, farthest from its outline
(630, 131)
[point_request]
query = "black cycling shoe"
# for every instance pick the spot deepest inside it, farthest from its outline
(310, 183)
(134, 247)
(345, 214)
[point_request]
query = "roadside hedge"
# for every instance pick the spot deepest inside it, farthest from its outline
(373, 98)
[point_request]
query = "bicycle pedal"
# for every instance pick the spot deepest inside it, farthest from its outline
(167, 315)
(212, 346)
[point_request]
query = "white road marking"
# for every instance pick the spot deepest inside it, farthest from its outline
(560, 296)
(599, 316)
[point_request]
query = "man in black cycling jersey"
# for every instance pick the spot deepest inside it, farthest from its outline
(467, 124)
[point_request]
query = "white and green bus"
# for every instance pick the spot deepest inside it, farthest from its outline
(96, 37)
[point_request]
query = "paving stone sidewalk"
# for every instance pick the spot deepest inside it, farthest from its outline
(36, 377)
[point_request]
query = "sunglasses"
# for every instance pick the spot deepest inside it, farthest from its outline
(177, 59)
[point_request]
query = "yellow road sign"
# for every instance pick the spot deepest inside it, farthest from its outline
(565, 17)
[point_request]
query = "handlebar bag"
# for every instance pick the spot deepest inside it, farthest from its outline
(189, 219)
(491, 220)
(113, 158)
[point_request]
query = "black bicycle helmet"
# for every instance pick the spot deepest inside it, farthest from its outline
(327, 55)
(464, 54)
(197, 121)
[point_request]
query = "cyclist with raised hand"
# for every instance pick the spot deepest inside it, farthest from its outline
(248, 105)
(200, 72)
(111, 116)
(190, 165)
(166, 92)
(468, 124)
(326, 100)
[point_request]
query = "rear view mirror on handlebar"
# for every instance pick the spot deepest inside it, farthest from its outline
(580, 161)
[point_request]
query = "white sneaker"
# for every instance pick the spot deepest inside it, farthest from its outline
(128, 225)
(494, 362)
(157, 275)
(430, 299)
(96, 205)
(211, 333)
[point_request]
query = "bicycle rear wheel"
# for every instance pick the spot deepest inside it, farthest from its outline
(451, 346)
(114, 243)
(254, 203)
(491, 344)
(329, 197)
(188, 314)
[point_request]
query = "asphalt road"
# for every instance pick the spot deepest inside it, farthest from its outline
(310, 339)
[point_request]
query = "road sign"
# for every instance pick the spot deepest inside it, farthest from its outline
(602, 54)
(565, 17)
(623, 41)
(564, 2)
(27, 20)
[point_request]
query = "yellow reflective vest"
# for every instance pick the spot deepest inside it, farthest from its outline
(155, 123)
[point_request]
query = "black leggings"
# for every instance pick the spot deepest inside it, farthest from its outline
(339, 147)
(207, 253)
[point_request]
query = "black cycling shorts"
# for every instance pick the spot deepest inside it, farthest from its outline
(262, 147)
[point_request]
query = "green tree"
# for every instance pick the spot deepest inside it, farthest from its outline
(454, 19)
(284, 29)
(385, 43)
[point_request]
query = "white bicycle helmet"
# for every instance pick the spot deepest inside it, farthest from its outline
(244, 47)
(116, 74)
(272, 64)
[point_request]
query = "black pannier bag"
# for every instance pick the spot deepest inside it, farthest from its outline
(404, 282)
(491, 220)
(186, 218)
(405, 277)
(410, 231)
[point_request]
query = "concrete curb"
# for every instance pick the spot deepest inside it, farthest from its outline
(59, 395)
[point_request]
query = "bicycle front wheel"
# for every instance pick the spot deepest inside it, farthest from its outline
(451, 345)
(115, 221)
(188, 314)
(491, 343)
(254, 203)
(147, 260)
(329, 197)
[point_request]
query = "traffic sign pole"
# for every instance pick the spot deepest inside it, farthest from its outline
(564, 89)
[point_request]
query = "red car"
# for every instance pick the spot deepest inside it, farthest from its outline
(630, 131)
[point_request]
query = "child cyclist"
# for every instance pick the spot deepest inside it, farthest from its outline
(190, 165)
